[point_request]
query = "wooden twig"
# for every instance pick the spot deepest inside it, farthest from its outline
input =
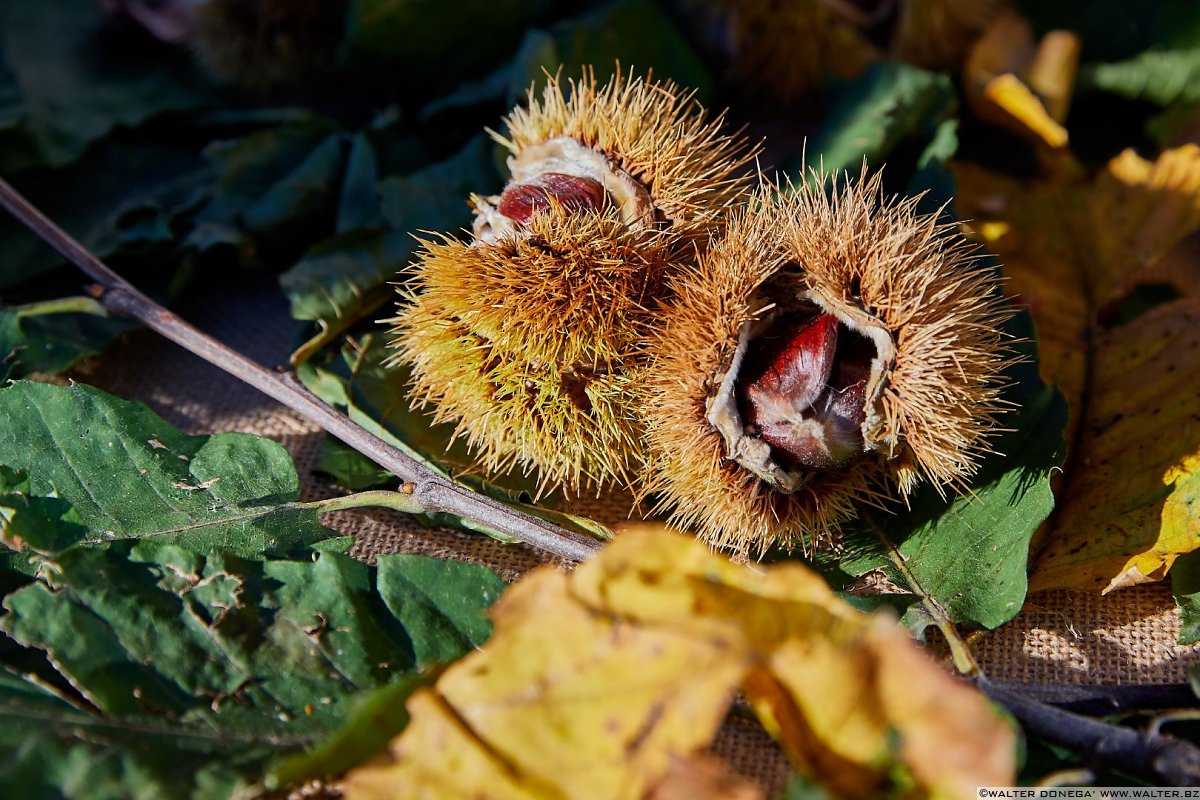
(433, 492)
(1104, 700)
(1158, 757)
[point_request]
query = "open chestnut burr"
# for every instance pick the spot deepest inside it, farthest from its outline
(832, 349)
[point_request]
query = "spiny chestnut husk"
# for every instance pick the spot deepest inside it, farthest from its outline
(526, 344)
(528, 338)
(830, 350)
(938, 34)
(260, 44)
(801, 42)
(796, 42)
(646, 148)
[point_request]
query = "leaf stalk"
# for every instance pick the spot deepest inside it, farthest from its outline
(960, 652)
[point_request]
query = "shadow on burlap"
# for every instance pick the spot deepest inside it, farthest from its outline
(1060, 637)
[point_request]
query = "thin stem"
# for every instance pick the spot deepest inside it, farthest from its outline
(964, 662)
(1176, 715)
(403, 501)
(430, 491)
(1067, 777)
(328, 333)
(63, 305)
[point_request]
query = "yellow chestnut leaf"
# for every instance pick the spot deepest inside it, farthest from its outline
(1132, 503)
(1014, 105)
(597, 684)
(1074, 247)
(1025, 89)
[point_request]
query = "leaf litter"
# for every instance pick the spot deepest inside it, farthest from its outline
(1077, 250)
(1113, 286)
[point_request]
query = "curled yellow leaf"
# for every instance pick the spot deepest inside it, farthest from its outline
(1013, 104)
(600, 683)
(1024, 88)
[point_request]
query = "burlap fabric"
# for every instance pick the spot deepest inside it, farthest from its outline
(1061, 637)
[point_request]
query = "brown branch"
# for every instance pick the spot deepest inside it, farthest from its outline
(432, 491)
(1147, 754)
(1106, 699)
